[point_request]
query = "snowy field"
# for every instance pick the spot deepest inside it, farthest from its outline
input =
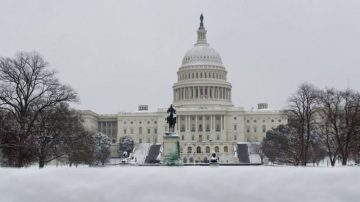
(170, 184)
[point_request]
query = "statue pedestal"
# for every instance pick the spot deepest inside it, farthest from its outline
(171, 149)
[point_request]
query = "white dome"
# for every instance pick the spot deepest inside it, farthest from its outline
(202, 55)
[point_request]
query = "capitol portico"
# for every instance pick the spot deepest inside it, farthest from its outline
(207, 121)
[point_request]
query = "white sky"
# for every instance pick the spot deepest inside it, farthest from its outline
(119, 54)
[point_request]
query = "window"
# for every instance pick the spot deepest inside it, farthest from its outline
(207, 127)
(235, 137)
(217, 137)
(234, 117)
(148, 130)
(198, 149)
(279, 120)
(272, 120)
(140, 140)
(192, 127)
(200, 127)
(217, 127)
(155, 130)
(132, 131)
(184, 160)
(216, 149)
(189, 150)
(193, 137)
(207, 150)
(254, 121)
(155, 122)
(248, 129)
(182, 137)
(264, 121)
(255, 129)
(124, 131)
(191, 160)
(248, 121)
(113, 141)
(226, 149)
(140, 122)
(182, 128)
(140, 130)
(207, 137)
(148, 122)
(235, 127)
(263, 128)
(131, 122)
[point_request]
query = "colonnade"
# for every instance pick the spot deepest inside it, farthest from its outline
(202, 92)
(208, 123)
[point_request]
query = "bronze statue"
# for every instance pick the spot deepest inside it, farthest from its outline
(171, 118)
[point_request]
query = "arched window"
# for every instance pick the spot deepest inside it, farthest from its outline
(198, 149)
(206, 160)
(216, 149)
(191, 160)
(226, 149)
(189, 150)
(184, 160)
(207, 149)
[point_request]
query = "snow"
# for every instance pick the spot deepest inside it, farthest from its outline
(195, 184)
(141, 152)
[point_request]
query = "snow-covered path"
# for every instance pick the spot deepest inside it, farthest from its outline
(128, 183)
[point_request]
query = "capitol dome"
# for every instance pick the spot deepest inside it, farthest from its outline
(202, 54)
(202, 76)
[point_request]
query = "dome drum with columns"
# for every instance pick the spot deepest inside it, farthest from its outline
(207, 121)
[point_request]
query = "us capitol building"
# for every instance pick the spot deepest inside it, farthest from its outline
(207, 121)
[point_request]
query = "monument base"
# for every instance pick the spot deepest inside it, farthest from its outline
(171, 149)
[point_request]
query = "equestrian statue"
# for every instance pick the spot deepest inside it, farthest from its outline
(171, 118)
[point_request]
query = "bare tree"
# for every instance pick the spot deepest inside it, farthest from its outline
(340, 115)
(302, 113)
(28, 87)
(330, 101)
(57, 129)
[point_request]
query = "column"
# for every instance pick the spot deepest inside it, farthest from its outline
(221, 122)
(196, 123)
(203, 123)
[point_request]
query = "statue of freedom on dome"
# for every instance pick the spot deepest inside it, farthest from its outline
(171, 118)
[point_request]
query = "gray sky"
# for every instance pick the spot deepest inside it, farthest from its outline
(119, 54)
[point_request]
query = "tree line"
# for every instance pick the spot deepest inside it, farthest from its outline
(36, 122)
(321, 123)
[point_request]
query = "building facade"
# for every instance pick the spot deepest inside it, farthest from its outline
(207, 121)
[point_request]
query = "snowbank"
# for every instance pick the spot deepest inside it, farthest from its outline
(196, 184)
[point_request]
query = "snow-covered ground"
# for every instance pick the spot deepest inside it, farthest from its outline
(160, 184)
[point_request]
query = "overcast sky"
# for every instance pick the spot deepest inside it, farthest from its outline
(119, 54)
